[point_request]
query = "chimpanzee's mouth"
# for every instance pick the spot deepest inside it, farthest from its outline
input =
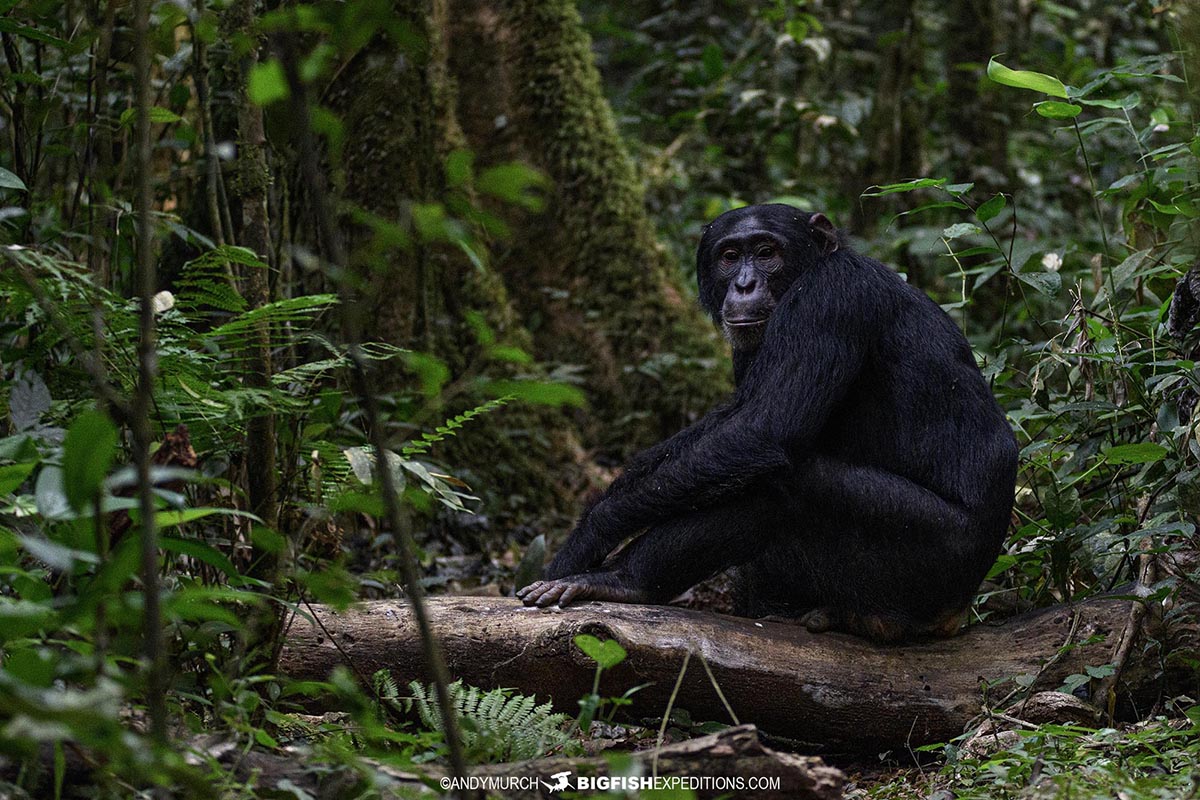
(745, 322)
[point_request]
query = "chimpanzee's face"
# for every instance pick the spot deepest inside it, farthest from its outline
(749, 257)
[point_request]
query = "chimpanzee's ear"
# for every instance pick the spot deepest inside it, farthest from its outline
(824, 233)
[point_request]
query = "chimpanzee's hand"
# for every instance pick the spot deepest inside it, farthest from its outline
(604, 585)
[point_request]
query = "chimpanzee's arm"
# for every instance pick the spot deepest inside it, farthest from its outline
(808, 361)
(645, 462)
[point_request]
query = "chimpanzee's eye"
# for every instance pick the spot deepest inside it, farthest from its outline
(766, 251)
(729, 256)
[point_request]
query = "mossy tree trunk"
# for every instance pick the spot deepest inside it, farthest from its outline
(583, 285)
(396, 106)
(598, 288)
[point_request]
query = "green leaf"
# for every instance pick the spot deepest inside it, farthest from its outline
(1178, 208)
(1023, 250)
(1053, 109)
(514, 183)
(1124, 273)
(267, 540)
(19, 447)
(509, 353)
(960, 229)
(267, 83)
(330, 584)
(479, 326)
(1073, 682)
(157, 115)
(1123, 181)
(1142, 453)
(589, 704)
(431, 371)
(1023, 79)
(168, 519)
(714, 61)
(356, 502)
(979, 250)
(991, 208)
(13, 475)
(54, 555)
(928, 207)
(459, 168)
(432, 224)
(11, 26)
(20, 618)
(606, 654)
(201, 603)
(163, 115)
(9, 180)
(203, 553)
(88, 454)
(905, 186)
(539, 392)
(1128, 102)
(797, 29)
(33, 665)
(1048, 283)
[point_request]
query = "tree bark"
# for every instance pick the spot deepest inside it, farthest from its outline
(894, 129)
(253, 232)
(584, 287)
(400, 104)
(829, 691)
(603, 291)
(977, 136)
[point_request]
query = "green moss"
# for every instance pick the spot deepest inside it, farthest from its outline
(398, 109)
(653, 358)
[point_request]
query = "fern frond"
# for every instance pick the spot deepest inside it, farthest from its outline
(294, 309)
(206, 281)
(384, 685)
(497, 725)
(450, 427)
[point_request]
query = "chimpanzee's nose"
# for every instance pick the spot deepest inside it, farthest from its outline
(745, 282)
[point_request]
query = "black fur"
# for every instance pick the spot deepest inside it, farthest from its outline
(862, 475)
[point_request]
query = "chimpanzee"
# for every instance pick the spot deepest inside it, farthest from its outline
(860, 479)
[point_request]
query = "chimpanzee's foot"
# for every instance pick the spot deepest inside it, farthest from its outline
(822, 619)
(576, 588)
(816, 620)
(876, 627)
(880, 628)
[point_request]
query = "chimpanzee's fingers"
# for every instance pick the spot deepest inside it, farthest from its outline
(530, 594)
(522, 592)
(554, 590)
(573, 591)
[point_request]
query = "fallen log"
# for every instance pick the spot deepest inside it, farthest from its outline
(829, 692)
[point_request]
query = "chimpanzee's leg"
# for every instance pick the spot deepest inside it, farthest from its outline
(671, 557)
(884, 557)
(861, 548)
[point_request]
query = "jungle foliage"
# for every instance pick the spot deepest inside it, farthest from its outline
(458, 241)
